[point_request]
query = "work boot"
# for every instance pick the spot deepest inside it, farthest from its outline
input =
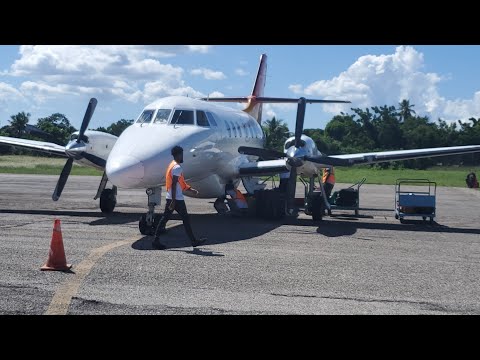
(198, 242)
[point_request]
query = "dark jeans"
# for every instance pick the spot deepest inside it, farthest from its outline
(283, 187)
(181, 209)
(328, 189)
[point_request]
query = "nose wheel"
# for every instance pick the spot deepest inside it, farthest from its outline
(149, 221)
(148, 229)
(108, 200)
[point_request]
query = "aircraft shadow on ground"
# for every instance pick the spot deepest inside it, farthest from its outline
(54, 212)
(334, 228)
(216, 228)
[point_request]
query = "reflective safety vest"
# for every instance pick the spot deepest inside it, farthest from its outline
(240, 200)
(329, 176)
(169, 178)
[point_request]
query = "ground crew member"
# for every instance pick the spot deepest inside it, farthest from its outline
(238, 204)
(175, 183)
(328, 180)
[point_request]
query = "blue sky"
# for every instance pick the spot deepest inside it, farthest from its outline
(441, 81)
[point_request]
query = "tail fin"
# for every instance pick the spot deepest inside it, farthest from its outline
(254, 108)
(255, 101)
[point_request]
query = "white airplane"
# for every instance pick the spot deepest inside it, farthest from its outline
(220, 144)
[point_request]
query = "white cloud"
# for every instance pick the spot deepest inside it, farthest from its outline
(387, 79)
(241, 72)
(9, 93)
(200, 48)
(107, 72)
(208, 74)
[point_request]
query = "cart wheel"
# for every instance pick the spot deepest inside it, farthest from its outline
(431, 220)
(396, 216)
(356, 212)
(424, 218)
(402, 221)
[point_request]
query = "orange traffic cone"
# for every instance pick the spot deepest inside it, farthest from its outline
(56, 256)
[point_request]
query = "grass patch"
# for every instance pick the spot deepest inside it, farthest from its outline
(443, 176)
(22, 164)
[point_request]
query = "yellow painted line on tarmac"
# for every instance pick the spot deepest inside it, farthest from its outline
(63, 296)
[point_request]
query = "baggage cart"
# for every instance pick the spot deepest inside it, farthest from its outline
(418, 203)
(346, 199)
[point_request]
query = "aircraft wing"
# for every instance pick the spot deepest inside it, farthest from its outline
(264, 168)
(47, 147)
(382, 156)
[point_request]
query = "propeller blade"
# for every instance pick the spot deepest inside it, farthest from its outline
(263, 153)
(327, 160)
(62, 180)
(86, 119)
(292, 185)
(302, 104)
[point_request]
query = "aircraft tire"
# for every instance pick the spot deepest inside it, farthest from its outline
(142, 224)
(107, 201)
(317, 208)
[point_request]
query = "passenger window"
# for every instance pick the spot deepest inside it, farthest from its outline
(245, 131)
(162, 116)
(234, 129)
(145, 117)
(227, 124)
(202, 119)
(182, 117)
(211, 118)
(239, 128)
(250, 129)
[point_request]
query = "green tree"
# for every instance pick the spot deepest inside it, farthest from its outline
(58, 126)
(276, 132)
(18, 123)
(116, 128)
(405, 110)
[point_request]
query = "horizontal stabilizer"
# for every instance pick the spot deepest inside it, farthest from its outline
(272, 100)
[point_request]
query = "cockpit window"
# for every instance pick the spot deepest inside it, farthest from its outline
(182, 117)
(162, 116)
(202, 119)
(146, 117)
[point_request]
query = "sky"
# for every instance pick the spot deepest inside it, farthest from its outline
(442, 81)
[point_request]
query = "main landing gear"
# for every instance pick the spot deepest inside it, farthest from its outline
(149, 221)
(315, 199)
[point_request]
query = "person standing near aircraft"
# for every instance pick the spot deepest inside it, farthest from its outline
(328, 180)
(175, 185)
(238, 204)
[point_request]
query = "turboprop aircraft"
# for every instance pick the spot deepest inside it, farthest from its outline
(221, 145)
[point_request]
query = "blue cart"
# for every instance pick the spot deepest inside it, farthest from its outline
(414, 203)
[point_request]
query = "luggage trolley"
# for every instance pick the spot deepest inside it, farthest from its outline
(415, 203)
(346, 199)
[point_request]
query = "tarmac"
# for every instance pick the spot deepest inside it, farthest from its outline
(370, 264)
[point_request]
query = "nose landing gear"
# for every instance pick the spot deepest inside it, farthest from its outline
(149, 221)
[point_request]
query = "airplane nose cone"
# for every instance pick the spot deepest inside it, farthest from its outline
(125, 171)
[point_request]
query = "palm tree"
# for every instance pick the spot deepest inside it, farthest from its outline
(18, 123)
(405, 110)
(276, 132)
